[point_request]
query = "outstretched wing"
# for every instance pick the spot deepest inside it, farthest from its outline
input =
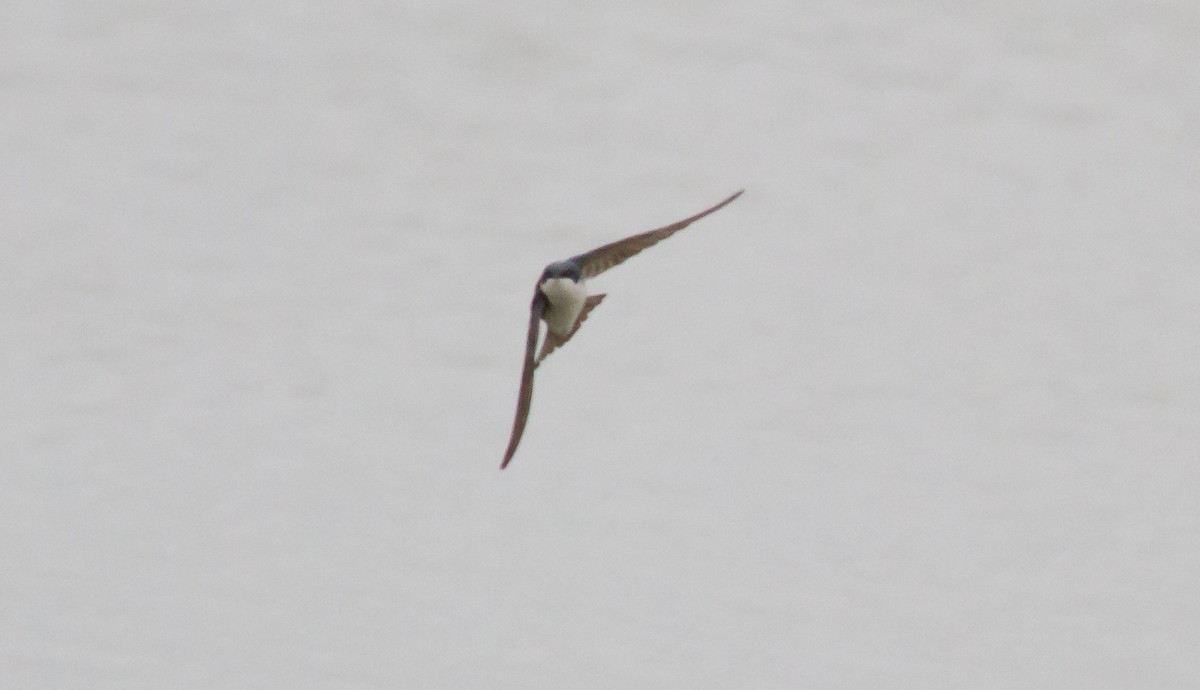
(525, 396)
(601, 259)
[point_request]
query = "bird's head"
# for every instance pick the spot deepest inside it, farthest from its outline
(562, 269)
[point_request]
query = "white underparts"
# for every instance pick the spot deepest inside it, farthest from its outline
(566, 299)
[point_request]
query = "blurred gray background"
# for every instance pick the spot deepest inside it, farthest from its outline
(920, 410)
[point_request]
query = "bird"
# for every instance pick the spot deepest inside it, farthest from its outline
(561, 299)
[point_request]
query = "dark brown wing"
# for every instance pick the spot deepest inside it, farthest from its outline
(603, 258)
(553, 342)
(525, 396)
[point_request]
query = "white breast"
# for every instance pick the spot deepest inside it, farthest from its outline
(566, 301)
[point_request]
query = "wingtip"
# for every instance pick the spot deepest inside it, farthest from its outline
(728, 201)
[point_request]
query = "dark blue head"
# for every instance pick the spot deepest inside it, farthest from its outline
(562, 269)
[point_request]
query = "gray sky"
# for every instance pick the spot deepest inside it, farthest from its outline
(920, 410)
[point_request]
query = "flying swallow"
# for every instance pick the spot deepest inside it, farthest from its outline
(562, 301)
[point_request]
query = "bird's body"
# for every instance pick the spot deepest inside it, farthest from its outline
(562, 301)
(566, 298)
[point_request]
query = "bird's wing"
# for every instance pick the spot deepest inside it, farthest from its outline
(553, 342)
(525, 396)
(601, 259)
